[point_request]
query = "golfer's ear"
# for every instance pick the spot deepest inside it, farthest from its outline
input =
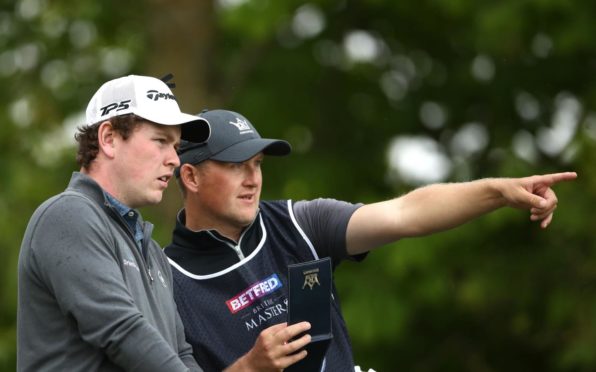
(105, 138)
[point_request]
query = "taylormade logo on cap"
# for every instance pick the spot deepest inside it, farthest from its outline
(155, 95)
(148, 98)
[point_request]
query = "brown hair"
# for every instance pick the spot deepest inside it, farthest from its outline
(87, 137)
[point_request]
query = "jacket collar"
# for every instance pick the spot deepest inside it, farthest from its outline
(86, 185)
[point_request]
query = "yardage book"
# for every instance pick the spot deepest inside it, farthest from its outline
(309, 300)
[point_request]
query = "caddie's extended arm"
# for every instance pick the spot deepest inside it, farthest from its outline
(440, 207)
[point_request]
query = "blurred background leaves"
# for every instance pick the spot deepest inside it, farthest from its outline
(377, 97)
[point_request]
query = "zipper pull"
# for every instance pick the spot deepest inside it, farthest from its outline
(150, 276)
(239, 251)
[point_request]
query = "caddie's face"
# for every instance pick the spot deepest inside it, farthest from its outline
(229, 193)
(145, 163)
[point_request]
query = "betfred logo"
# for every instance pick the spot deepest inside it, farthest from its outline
(253, 293)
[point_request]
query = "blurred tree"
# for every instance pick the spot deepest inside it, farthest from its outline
(377, 97)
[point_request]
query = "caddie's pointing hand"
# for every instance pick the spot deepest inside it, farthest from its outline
(535, 194)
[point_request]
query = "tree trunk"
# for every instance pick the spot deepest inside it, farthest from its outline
(181, 42)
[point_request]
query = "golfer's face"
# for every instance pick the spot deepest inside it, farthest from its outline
(145, 163)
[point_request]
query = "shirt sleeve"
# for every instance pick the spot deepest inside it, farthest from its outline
(185, 349)
(325, 222)
(73, 254)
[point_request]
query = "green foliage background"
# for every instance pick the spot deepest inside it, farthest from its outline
(497, 294)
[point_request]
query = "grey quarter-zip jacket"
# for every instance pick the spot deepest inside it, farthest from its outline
(89, 298)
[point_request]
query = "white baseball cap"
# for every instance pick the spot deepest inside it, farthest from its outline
(148, 98)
